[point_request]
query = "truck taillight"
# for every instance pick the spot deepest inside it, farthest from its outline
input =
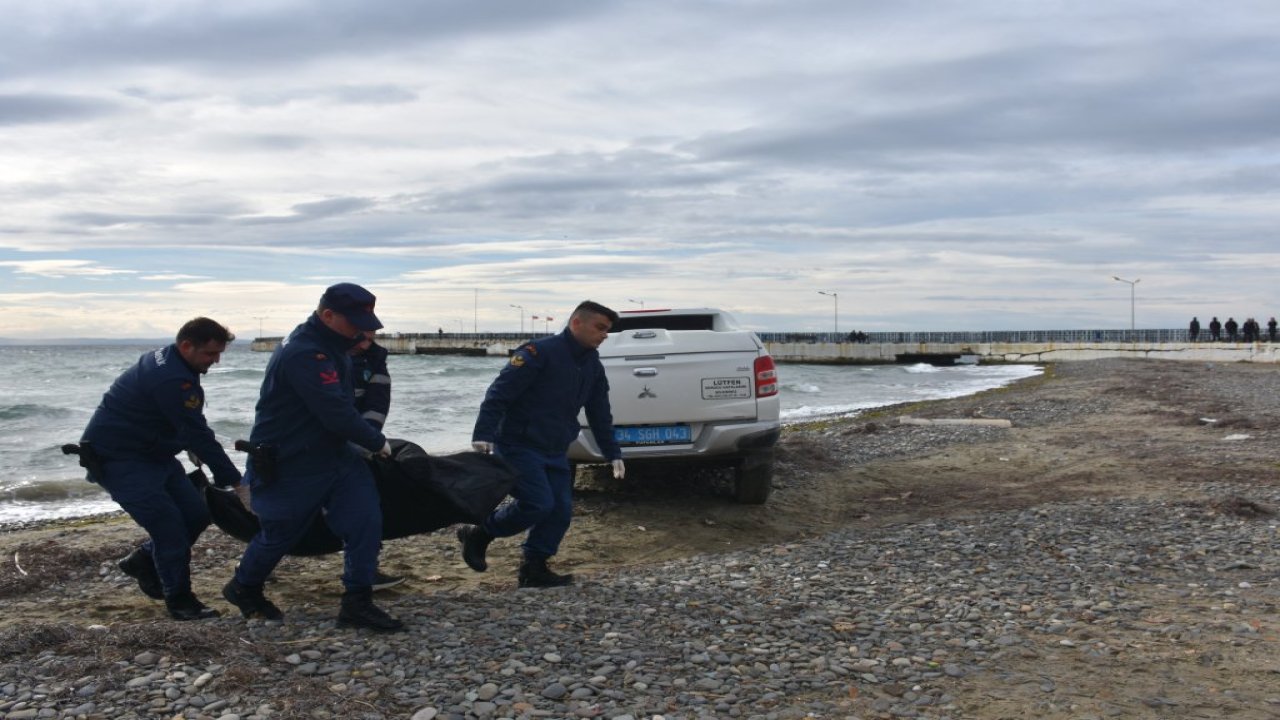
(766, 377)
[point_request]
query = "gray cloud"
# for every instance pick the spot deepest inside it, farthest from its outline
(303, 212)
(269, 142)
(918, 153)
(289, 33)
(374, 94)
(31, 108)
(102, 219)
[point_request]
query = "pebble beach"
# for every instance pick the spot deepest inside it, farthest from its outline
(1083, 605)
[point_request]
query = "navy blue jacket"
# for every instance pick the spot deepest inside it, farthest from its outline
(305, 408)
(155, 410)
(535, 399)
(372, 384)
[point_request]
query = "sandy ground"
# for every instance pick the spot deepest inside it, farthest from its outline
(1083, 430)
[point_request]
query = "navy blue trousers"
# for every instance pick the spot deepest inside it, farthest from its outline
(285, 507)
(160, 498)
(543, 501)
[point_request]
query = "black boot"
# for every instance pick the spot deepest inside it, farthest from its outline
(251, 601)
(358, 610)
(534, 573)
(140, 566)
(475, 541)
(185, 606)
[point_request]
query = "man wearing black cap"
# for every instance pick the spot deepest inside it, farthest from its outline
(304, 420)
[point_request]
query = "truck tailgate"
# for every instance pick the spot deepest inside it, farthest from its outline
(655, 379)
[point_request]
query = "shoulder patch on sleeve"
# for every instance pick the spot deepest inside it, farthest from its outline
(192, 402)
(186, 386)
(321, 356)
(533, 349)
(517, 360)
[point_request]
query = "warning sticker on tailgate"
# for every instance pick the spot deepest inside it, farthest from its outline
(726, 388)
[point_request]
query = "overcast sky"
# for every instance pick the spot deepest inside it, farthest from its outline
(969, 165)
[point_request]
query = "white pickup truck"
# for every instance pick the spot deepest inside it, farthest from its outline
(690, 385)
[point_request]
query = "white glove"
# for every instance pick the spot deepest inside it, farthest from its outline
(385, 451)
(619, 470)
(482, 446)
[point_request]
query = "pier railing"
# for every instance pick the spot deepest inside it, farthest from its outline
(1153, 335)
(1149, 335)
(1018, 346)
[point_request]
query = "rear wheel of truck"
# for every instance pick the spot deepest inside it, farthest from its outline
(753, 480)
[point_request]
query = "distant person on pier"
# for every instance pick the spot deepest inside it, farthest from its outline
(153, 411)
(1215, 329)
(1232, 328)
(1271, 329)
(1194, 331)
(1252, 330)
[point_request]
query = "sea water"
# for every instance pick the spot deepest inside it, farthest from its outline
(48, 393)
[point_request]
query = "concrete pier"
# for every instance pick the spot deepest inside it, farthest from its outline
(876, 353)
(1019, 352)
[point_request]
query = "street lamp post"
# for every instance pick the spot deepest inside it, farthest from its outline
(259, 318)
(521, 309)
(1133, 284)
(835, 299)
(638, 302)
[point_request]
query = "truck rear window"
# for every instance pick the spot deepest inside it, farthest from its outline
(640, 321)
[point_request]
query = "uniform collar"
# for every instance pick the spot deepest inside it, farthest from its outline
(328, 336)
(172, 351)
(577, 349)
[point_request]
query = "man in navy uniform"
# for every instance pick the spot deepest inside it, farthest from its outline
(529, 417)
(153, 411)
(302, 462)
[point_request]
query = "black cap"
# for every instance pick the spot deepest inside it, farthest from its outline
(354, 303)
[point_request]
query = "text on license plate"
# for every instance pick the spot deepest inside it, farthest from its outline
(652, 434)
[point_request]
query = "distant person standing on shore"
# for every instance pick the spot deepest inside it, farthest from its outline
(1215, 329)
(153, 411)
(1271, 329)
(1194, 330)
(1232, 328)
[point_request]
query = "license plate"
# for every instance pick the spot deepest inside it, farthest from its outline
(652, 434)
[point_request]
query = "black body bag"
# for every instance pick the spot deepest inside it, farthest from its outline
(420, 493)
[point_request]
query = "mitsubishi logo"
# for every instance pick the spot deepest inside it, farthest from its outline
(646, 393)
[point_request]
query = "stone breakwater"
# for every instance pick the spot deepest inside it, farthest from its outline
(887, 622)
